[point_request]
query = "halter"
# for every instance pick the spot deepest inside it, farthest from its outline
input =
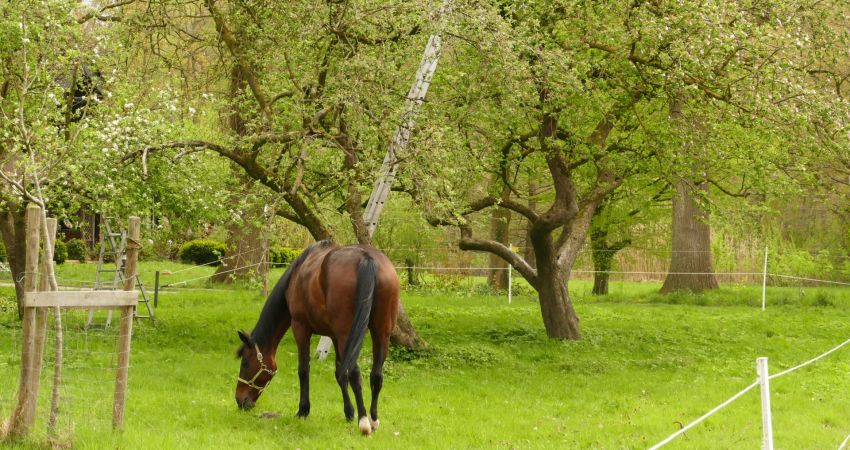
(262, 369)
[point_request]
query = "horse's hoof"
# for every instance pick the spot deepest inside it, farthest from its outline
(365, 426)
(375, 424)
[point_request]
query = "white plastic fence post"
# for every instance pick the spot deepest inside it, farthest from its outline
(767, 423)
(764, 281)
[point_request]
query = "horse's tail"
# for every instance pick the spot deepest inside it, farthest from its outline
(366, 281)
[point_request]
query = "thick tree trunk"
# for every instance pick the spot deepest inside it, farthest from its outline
(13, 231)
(500, 224)
(690, 264)
(559, 316)
(247, 253)
(404, 334)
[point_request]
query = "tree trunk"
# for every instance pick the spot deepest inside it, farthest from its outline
(412, 280)
(404, 334)
(690, 264)
(528, 253)
(247, 252)
(559, 316)
(500, 224)
(602, 260)
(603, 256)
(13, 231)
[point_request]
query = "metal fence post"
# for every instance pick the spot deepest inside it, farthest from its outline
(156, 290)
(764, 281)
(767, 423)
(510, 284)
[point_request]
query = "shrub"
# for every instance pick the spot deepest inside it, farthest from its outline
(60, 252)
(281, 256)
(4, 257)
(202, 251)
(77, 250)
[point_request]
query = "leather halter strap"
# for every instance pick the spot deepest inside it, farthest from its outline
(263, 368)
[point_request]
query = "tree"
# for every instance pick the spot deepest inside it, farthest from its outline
(615, 218)
(691, 265)
(581, 163)
(579, 93)
(316, 113)
(34, 109)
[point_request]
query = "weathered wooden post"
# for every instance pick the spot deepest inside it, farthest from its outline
(24, 413)
(126, 327)
(41, 314)
(51, 285)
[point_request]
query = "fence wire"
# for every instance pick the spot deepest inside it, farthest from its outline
(89, 364)
(747, 389)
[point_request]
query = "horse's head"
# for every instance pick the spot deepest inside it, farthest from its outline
(255, 372)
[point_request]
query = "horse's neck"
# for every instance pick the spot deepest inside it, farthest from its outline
(277, 336)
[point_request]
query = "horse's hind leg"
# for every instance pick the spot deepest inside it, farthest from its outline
(357, 386)
(302, 340)
(380, 345)
(342, 380)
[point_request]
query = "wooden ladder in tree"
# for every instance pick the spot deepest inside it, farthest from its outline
(114, 244)
(383, 185)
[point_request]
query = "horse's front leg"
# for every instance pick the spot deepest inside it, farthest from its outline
(302, 340)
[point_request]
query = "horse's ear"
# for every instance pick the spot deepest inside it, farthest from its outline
(245, 338)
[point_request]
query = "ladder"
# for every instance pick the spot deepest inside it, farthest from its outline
(414, 99)
(114, 243)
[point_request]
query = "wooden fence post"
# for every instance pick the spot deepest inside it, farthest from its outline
(126, 327)
(41, 314)
(24, 413)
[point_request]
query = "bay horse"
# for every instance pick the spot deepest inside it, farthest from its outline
(333, 291)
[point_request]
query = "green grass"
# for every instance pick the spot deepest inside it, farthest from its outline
(491, 378)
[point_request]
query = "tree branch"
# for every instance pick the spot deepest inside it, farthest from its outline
(235, 49)
(97, 14)
(468, 243)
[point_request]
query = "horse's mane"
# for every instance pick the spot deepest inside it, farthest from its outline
(276, 309)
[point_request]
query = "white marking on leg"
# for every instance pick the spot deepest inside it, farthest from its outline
(365, 426)
(375, 424)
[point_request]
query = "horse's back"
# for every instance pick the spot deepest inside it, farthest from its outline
(323, 292)
(339, 279)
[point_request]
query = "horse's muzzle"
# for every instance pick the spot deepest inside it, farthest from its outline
(245, 404)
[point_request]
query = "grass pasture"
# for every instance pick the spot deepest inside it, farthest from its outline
(491, 378)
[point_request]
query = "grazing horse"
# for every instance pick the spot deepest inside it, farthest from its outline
(333, 291)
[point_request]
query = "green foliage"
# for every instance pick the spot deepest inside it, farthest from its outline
(202, 251)
(4, 256)
(77, 250)
(283, 256)
(60, 252)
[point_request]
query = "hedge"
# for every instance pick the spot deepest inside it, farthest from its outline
(202, 251)
(282, 256)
